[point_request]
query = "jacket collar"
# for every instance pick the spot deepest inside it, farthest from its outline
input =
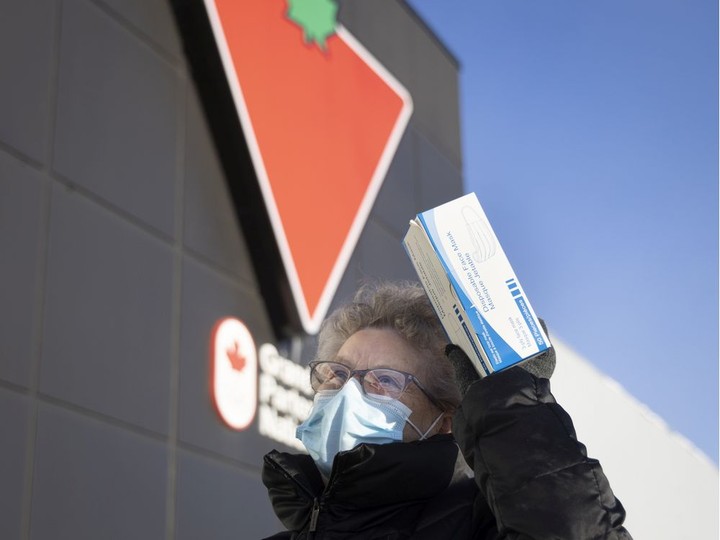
(372, 474)
(370, 477)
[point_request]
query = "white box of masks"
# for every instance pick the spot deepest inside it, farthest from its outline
(473, 288)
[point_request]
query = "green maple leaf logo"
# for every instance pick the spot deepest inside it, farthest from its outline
(317, 18)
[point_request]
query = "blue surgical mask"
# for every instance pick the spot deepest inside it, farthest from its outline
(342, 419)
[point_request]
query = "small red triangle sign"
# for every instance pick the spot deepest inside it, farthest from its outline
(322, 120)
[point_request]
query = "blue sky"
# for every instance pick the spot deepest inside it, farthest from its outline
(590, 135)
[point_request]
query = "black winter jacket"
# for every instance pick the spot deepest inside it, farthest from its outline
(528, 478)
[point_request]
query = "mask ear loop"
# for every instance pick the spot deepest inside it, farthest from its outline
(423, 436)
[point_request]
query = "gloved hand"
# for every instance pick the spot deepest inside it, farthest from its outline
(542, 366)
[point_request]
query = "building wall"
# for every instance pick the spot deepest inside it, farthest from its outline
(668, 487)
(120, 249)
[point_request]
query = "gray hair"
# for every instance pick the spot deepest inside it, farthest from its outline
(405, 308)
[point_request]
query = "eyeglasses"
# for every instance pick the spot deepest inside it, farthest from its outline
(374, 381)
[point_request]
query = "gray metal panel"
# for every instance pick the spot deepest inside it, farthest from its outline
(94, 480)
(211, 227)
(382, 255)
(109, 298)
(383, 27)
(348, 283)
(14, 417)
(21, 191)
(27, 41)
(108, 314)
(390, 31)
(117, 116)
(153, 18)
(206, 298)
(439, 181)
(216, 500)
(395, 205)
(436, 98)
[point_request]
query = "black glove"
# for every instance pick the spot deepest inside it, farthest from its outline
(541, 366)
(465, 372)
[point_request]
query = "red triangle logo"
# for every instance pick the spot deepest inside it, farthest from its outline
(322, 124)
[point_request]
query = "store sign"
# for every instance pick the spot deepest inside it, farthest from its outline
(234, 373)
(322, 119)
(285, 394)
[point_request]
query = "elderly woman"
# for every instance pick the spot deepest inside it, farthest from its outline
(406, 441)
